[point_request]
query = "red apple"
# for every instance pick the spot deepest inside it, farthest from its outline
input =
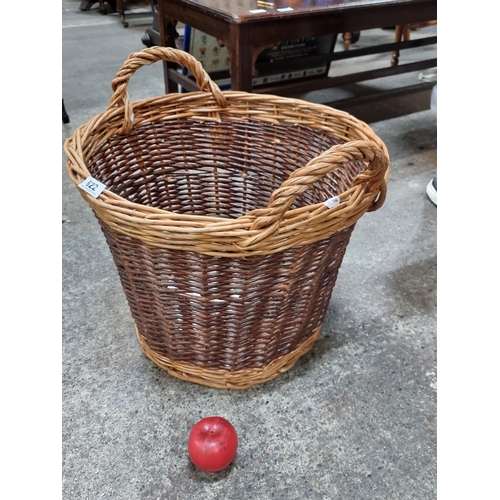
(212, 444)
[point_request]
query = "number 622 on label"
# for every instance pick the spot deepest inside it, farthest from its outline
(92, 186)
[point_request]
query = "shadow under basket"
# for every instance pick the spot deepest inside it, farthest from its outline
(228, 215)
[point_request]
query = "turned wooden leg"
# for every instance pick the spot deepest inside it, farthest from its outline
(350, 38)
(120, 6)
(398, 35)
(347, 40)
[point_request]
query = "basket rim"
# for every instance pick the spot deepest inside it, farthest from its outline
(242, 234)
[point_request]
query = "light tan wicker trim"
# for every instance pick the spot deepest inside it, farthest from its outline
(223, 379)
(264, 231)
(260, 232)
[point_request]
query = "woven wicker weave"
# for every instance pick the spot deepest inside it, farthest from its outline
(214, 213)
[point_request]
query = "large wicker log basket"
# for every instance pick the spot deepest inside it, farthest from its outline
(227, 215)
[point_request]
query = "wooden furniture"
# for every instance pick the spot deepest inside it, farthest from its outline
(350, 38)
(116, 6)
(120, 7)
(402, 32)
(246, 26)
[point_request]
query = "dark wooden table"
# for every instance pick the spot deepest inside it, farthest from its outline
(248, 26)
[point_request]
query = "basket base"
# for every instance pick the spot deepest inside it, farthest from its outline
(223, 379)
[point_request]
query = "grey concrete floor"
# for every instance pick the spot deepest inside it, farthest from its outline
(354, 419)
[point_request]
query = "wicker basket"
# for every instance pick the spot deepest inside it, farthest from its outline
(227, 215)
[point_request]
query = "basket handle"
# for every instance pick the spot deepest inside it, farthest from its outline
(269, 219)
(149, 56)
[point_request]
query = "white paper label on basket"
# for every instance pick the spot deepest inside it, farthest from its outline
(332, 202)
(257, 11)
(285, 9)
(92, 186)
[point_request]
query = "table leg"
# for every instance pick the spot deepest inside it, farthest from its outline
(168, 34)
(400, 32)
(241, 52)
(350, 38)
(347, 40)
